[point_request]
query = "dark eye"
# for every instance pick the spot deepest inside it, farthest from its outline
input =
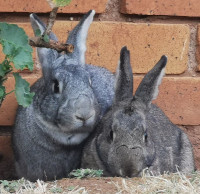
(145, 137)
(111, 135)
(55, 87)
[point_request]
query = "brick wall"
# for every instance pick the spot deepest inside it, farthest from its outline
(148, 28)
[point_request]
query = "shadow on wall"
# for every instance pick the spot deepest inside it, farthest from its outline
(6, 159)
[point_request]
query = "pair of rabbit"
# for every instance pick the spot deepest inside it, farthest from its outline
(135, 134)
(69, 99)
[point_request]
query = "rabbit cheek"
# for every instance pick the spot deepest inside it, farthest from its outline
(149, 154)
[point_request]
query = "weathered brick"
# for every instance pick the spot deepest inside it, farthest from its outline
(146, 42)
(193, 133)
(6, 158)
(178, 98)
(41, 6)
(198, 47)
(189, 8)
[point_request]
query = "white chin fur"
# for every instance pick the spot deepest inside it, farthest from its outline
(61, 136)
(78, 138)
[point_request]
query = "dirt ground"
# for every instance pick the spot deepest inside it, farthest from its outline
(95, 185)
(167, 183)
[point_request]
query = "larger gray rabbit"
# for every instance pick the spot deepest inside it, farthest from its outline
(135, 134)
(69, 99)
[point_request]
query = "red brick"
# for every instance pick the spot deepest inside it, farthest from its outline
(178, 98)
(198, 47)
(41, 6)
(189, 8)
(147, 43)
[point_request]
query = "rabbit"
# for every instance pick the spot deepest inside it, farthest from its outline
(135, 134)
(70, 98)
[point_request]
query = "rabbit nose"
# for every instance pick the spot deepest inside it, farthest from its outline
(84, 109)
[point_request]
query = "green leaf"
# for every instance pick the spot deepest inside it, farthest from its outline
(46, 38)
(22, 91)
(5, 68)
(58, 3)
(15, 45)
(70, 188)
(2, 92)
(81, 173)
(37, 32)
(56, 190)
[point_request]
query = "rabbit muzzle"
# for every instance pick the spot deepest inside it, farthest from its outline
(84, 111)
(78, 115)
(130, 160)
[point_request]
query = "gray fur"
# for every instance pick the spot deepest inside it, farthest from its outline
(69, 99)
(135, 134)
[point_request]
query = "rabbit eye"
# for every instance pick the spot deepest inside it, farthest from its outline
(145, 137)
(56, 87)
(112, 135)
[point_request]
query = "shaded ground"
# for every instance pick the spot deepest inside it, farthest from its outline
(173, 183)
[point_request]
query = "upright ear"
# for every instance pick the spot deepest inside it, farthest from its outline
(124, 77)
(36, 24)
(78, 36)
(46, 56)
(148, 88)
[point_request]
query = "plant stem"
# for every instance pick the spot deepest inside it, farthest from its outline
(39, 42)
(51, 20)
(10, 92)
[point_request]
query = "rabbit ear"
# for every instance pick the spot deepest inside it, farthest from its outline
(46, 56)
(124, 77)
(148, 88)
(78, 36)
(36, 24)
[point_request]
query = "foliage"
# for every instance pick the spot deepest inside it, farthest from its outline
(22, 91)
(58, 3)
(15, 46)
(83, 173)
(10, 186)
(44, 37)
(56, 190)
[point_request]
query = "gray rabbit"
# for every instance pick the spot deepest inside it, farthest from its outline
(135, 134)
(69, 99)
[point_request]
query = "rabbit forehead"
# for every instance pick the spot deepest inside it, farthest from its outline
(66, 59)
(70, 72)
(128, 121)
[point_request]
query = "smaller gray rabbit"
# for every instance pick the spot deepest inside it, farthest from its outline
(135, 134)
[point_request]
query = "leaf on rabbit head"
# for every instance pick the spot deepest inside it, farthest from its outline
(37, 32)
